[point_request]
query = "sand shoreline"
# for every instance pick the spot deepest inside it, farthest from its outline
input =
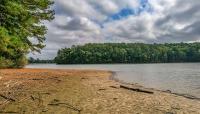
(57, 91)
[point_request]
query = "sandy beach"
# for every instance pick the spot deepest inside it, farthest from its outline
(45, 91)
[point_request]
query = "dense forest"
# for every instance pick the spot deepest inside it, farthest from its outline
(129, 53)
(22, 29)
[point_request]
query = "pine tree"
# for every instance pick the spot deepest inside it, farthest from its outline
(21, 22)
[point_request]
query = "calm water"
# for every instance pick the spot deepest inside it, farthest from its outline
(180, 78)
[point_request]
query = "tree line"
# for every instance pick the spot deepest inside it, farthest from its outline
(129, 53)
(22, 29)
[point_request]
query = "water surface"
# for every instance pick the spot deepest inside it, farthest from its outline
(181, 78)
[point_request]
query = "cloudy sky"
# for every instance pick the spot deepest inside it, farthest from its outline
(98, 21)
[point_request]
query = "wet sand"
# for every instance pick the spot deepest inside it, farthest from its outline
(43, 91)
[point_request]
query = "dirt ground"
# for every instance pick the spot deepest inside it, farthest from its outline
(43, 91)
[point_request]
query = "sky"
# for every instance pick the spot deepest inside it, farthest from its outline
(100, 21)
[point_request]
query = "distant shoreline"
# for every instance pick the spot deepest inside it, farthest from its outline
(118, 63)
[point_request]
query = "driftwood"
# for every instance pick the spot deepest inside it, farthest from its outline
(68, 106)
(102, 89)
(136, 89)
(10, 112)
(55, 78)
(114, 87)
(7, 98)
(187, 96)
(37, 79)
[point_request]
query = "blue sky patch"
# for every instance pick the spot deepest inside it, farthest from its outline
(125, 12)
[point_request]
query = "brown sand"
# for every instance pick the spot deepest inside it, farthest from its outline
(42, 91)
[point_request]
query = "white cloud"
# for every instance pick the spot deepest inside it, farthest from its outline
(80, 21)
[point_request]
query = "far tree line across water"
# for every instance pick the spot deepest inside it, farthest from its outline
(129, 53)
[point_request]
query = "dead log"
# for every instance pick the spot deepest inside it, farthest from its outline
(136, 89)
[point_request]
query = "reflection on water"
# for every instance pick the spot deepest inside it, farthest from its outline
(179, 78)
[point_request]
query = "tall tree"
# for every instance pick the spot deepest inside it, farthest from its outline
(22, 29)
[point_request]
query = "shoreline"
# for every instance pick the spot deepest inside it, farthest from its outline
(84, 92)
(113, 77)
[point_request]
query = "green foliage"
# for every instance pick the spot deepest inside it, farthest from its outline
(5, 63)
(129, 53)
(20, 62)
(21, 20)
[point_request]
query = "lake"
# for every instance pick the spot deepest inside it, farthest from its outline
(181, 78)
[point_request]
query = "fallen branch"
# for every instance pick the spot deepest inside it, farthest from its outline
(102, 89)
(136, 89)
(10, 112)
(7, 98)
(68, 106)
(37, 79)
(55, 78)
